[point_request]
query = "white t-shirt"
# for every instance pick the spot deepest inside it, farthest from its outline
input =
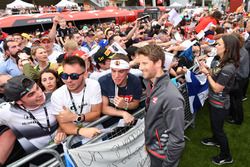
(92, 96)
(53, 56)
(21, 123)
(98, 74)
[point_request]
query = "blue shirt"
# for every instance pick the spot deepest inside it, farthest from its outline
(9, 67)
(132, 90)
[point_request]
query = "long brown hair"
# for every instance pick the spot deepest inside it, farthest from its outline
(58, 79)
(232, 50)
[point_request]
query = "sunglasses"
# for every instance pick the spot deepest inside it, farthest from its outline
(73, 76)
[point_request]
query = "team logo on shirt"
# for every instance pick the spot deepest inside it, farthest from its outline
(127, 98)
(154, 100)
(26, 116)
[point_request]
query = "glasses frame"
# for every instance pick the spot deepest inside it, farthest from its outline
(72, 76)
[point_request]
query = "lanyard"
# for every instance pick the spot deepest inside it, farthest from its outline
(46, 129)
(73, 102)
(116, 90)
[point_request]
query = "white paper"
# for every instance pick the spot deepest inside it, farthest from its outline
(121, 123)
(177, 36)
(168, 59)
(192, 25)
(187, 44)
(116, 48)
(196, 62)
(209, 61)
(208, 26)
(174, 17)
(200, 35)
(246, 35)
(93, 51)
(107, 130)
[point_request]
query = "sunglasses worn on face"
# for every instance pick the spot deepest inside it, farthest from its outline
(73, 76)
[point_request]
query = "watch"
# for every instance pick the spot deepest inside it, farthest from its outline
(78, 130)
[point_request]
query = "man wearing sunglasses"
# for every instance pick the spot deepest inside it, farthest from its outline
(78, 101)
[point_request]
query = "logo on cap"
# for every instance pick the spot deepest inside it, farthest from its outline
(117, 62)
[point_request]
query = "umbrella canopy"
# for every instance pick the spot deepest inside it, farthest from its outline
(176, 5)
(19, 4)
(65, 3)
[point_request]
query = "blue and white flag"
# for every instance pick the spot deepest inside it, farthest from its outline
(197, 86)
(67, 158)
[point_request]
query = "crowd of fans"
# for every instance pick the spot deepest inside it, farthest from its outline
(42, 9)
(89, 75)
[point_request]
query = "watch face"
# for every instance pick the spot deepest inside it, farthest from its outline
(79, 119)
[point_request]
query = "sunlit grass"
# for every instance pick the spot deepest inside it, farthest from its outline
(197, 155)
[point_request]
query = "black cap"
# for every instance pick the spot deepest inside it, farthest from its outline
(103, 54)
(17, 87)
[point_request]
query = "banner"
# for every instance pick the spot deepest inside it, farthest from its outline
(127, 150)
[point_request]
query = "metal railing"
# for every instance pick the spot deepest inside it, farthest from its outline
(57, 160)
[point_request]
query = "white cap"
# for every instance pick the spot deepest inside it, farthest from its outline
(120, 64)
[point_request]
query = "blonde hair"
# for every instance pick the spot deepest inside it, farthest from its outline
(34, 49)
(70, 44)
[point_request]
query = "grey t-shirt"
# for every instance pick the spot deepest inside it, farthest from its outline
(226, 77)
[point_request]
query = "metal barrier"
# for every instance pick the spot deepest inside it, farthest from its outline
(58, 161)
(189, 120)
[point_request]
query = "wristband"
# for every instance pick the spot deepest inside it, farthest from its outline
(83, 118)
(126, 108)
(78, 130)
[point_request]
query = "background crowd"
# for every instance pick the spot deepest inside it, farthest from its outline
(98, 70)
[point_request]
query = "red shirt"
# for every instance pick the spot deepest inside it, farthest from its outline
(204, 22)
(3, 36)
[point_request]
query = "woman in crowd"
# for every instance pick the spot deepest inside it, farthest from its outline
(220, 78)
(41, 56)
(49, 81)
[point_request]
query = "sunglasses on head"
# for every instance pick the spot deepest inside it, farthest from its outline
(73, 76)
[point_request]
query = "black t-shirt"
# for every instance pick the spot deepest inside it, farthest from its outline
(63, 32)
(133, 90)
